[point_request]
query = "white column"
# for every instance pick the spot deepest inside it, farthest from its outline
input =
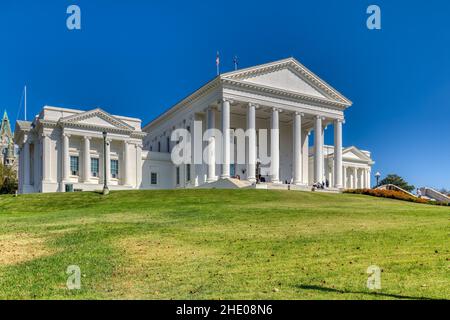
(362, 181)
(305, 157)
(318, 150)
(355, 178)
(65, 157)
(126, 163)
(108, 161)
(352, 178)
(297, 148)
(46, 158)
(211, 124)
(87, 159)
(138, 165)
(26, 164)
(225, 139)
(368, 179)
(338, 153)
(345, 183)
(275, 147)
(251, 129)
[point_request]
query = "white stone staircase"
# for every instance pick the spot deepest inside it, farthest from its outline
(434, 195)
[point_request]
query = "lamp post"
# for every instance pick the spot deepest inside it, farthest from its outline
(377, 175)
(105, 183)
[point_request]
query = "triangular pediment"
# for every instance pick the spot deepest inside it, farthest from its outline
(288, 75)
(353, 153)
(96, 118)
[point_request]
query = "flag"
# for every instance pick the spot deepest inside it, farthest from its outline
(217, 62)
(236, 62)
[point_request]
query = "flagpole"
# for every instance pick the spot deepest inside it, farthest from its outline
(25, 102)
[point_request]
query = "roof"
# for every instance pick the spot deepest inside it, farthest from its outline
(235, 77)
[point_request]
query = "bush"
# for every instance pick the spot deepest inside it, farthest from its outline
(391, 194)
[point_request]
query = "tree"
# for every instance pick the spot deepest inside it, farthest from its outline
(397, 181)
(8, 179)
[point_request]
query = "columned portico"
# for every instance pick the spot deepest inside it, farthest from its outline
(275, 147)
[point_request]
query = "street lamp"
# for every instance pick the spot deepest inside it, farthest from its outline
(377, 175)
(105, 183)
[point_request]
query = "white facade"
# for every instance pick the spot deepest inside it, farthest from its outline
(282, 95)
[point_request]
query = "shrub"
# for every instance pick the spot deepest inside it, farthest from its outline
(391, 194)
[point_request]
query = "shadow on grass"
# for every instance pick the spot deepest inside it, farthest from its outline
(373, 294)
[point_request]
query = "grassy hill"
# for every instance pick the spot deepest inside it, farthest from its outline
(222, 244)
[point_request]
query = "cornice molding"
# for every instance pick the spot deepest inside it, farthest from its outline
(257, 88)
(297, 67)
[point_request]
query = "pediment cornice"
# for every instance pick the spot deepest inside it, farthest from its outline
(76, 121)
(283, 93)
(295, 66)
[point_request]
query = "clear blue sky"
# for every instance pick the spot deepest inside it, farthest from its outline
(137, 58)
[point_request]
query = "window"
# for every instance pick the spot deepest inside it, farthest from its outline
(159, 146)
(188, 172)
(74, 165)
(115, 169)
(178, 175)
(232, 170)
(94, 167)
(153, 178)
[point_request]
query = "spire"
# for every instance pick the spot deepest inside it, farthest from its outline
(5, 127)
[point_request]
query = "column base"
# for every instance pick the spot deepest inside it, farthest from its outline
(225, 176)
(209, 180)
(252, 180)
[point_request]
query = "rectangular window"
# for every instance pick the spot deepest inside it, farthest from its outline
(94, 167)
(168, 144)
(74, 165)
(188, 172)
(115, 169)
(153, 178)
(178, 175)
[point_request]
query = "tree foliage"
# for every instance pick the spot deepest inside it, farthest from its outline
(397, 181)
(8, 179)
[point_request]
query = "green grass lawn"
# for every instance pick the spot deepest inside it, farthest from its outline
(222, 244)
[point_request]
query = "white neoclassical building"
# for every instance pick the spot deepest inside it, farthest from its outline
(65, 147)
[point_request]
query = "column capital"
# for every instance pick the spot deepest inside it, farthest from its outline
(319, 117)
(87, 137)
(45, 135)
(252, 104)
(211, 107)
(298, 113)
(339, 120)
(65, 134)
(222, 100)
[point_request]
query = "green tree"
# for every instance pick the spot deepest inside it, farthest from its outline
(8, 179)
(397, 181)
